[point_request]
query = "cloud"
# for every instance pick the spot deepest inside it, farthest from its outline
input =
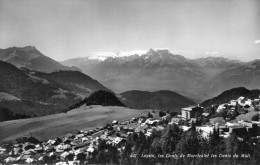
(212, 53)
(257, 41)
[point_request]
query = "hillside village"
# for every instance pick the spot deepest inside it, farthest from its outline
(118, 142)
(141, 82)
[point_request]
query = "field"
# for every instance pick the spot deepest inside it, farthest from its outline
(52, 126)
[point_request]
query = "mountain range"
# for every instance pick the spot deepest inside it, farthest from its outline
(31, 58)
(159, 69)
(32, 83)
(30, 91)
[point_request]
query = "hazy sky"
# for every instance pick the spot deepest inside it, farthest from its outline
(65, 29)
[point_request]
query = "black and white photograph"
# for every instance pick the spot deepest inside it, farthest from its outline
(130, 82)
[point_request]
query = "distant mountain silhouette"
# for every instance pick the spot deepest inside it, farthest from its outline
(29, 57)
(217, 62)
(247, 75)
(163, 100)
(231, 94)
(160, 69)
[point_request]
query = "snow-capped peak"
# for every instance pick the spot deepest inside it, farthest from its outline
(104, 55)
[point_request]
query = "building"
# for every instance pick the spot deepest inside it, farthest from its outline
(256, 102)
(217, 120)
(233, 102)
(205, 130)
(244, 101)
(175, 120)
(189, 112)
(240, 128)
(205, 114)
(221, 107)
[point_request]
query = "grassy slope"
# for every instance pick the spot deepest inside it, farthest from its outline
(52, 126)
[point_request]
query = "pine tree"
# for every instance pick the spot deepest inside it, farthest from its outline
(214, 141)
(101, 158)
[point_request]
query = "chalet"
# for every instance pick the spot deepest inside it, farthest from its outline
(185, 128)
(221, 107)
(141, 120)
(256, 102)
(51, 142)
(167, 117)
(233, 102)
(151, 122)
(205, 114)
(64, 154)
(148, 134)
(2, 150)
(175, 120)
(114, 122)
(30, 160)
(84, 139)
(244, 101)
(217, 120)
(232, 109)
(39, 149)
(90, 149)
(10, 160)
(140, 129)
(117, 140)
(80, 135)
(205, 130)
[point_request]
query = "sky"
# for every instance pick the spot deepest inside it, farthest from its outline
(63, 29)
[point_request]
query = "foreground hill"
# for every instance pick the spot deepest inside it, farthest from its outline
(27, 94)
(31, 58)
(163, 100)
(104, 98)
(231, 94)
(52, 126)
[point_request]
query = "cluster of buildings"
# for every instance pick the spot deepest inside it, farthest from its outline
(75, 148)
(244, 105)
(242, 124)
